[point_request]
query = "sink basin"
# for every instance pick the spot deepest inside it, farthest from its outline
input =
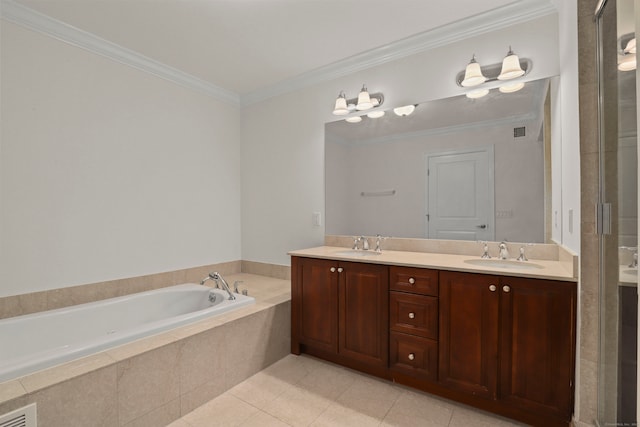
(353, 252)
(631, 272)
(504, 263)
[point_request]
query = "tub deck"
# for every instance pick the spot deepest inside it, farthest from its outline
(211, 355)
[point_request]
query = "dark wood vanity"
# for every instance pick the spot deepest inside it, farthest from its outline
(501, 343)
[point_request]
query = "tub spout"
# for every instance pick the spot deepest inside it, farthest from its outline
(217, 277)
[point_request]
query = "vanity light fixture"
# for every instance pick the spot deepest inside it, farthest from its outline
(479, 93)
(375, 114)
(627, 53)
(510, 67)
(340, 108)
(364, 101)
(404, 111)
(354, 119)
(473, 74)
(511, 87)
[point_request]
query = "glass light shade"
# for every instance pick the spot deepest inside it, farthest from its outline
(375, 114)
(404, 111)
(364, 101)
(627, 63)
(477, 93)
(340, 108)
(510, 67)
(473, 74)
(631, 46)
(354, 119)
(511, 87)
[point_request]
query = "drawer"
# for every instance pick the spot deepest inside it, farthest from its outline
(413, 356)
(416, 280)
(413, 314)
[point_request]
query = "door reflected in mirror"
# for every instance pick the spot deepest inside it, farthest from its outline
(456, 168)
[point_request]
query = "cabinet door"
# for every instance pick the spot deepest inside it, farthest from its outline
(538, 336)
(315, 303)
(364, 313)
(468, 339)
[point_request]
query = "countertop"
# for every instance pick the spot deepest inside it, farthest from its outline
(553, 270)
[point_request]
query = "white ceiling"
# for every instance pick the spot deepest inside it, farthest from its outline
(246, 46)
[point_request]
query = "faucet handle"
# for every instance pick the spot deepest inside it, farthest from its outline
(356, 240)
(522, 256)
(235, 286)
(485, 250)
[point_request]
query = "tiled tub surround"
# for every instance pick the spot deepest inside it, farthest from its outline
(156, 380)
(41, 340)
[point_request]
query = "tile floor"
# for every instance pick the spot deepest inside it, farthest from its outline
(303, 391)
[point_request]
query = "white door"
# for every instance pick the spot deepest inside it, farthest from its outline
(460, 195)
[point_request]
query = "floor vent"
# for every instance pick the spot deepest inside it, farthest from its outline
(23, 417)
(518, 132)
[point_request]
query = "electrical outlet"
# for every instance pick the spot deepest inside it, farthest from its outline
(317, 219)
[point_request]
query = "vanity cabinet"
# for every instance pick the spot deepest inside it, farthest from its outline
(340, 311)
(503, 344)
(413, 322)
(510, 340)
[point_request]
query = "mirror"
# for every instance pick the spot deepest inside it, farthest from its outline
(456, 168)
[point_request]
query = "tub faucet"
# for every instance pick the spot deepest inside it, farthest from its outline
(504, 252)
(219, 279)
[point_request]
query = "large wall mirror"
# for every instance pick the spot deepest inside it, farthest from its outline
(456, 168)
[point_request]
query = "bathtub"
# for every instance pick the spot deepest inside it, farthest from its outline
(40, 340)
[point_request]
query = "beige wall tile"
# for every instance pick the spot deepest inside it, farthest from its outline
(10, 390)
(158, 417)
(147, 382)
(89, 400)
(201, 363)
(76, 368)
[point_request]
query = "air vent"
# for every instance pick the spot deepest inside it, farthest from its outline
(23, 417)
(518, 132)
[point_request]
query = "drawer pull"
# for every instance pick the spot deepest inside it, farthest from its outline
(412, 356)
(506, 288)
(412, 280)
(492, 288)
(412, 315)
(340, 270)
(332, 269)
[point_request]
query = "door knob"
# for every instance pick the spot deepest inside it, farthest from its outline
(412, 315)
(483, 226)
(340, 270)
(332, 269)
(492, 288)
(412, 280)
(411, 356)
(506, 288)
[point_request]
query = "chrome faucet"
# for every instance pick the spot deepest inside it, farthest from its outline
(379, 240)
(219, 279)
(504, 252)
(485, 251)
(365, 243)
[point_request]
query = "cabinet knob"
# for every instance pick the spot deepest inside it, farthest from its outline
(492, 288)
(412, 280)
(340, 270)
(332, 269)
(412, 315)
(412, 356)
(506, 288)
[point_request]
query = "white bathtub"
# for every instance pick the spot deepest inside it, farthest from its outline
(41, 340)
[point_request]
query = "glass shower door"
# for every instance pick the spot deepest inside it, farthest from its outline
(618, 215)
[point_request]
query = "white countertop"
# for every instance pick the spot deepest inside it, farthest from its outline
(554, 270)
(628, 276)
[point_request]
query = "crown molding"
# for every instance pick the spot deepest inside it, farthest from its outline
(515, 13)
(36, 21)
